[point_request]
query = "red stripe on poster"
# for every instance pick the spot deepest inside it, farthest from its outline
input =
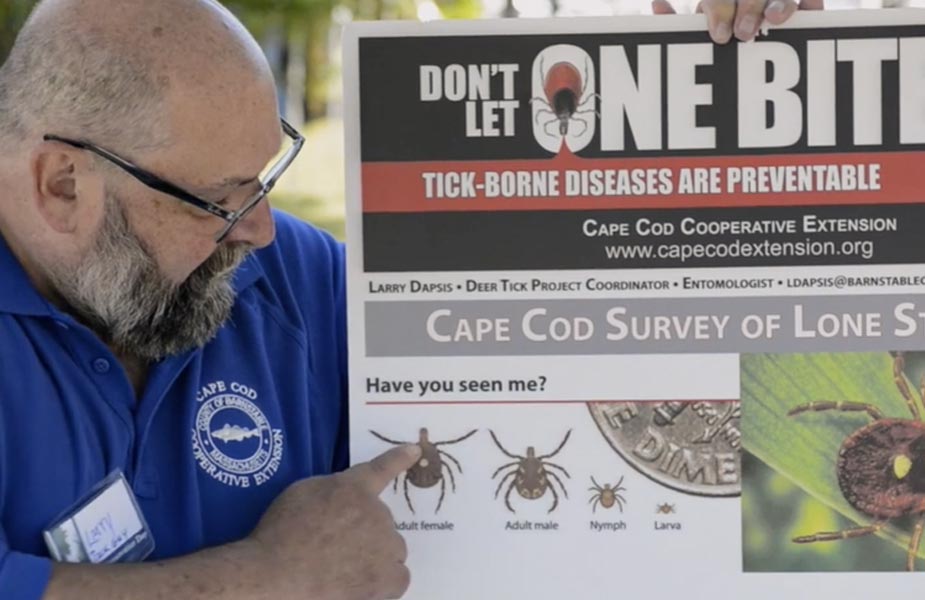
(507, 402)
(569, 182)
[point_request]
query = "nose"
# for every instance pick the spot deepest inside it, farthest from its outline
(257, 228)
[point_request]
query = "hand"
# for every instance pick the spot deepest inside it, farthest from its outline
(331, 538)
(741, 17)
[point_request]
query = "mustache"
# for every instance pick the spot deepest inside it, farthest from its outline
(222, 263)
(118, 290)
(213, 274)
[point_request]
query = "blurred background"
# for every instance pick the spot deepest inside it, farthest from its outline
(775, 510)
(302, 41)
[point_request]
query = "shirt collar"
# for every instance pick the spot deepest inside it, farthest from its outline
(18, 295)
(248, 273)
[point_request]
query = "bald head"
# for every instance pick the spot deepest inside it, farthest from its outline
(177, 87)
(128, 74)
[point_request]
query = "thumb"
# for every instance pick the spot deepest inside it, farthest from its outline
(662, 7)
(376, 474)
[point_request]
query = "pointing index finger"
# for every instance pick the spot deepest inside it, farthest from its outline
(377, 473)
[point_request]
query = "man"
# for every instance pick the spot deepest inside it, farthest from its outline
(159, 324)
(112, 288)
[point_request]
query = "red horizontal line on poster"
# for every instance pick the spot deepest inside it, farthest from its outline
(399, 186)
(501, 402)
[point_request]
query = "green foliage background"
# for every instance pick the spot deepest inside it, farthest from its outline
(304, 22)
(12, 15)
(789, 470)
(313, 189)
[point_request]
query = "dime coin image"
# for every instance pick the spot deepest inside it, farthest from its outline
(692, 446)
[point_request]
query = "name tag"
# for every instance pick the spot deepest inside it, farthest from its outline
(105, 527)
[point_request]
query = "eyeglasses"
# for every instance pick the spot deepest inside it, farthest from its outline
(231, 217)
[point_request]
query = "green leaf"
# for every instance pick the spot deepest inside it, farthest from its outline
(460, 9)
(804, 448)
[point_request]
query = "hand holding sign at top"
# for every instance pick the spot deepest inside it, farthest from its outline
(741, 18)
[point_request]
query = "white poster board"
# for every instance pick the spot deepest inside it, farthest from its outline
(656, 302)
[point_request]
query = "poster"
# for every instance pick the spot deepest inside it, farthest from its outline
(654, 308)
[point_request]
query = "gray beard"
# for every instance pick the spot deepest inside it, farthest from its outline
(118, 291)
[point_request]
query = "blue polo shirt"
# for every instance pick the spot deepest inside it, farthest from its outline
(219, 432)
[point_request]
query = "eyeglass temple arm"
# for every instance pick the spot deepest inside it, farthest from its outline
(153, 182)
(298, 140)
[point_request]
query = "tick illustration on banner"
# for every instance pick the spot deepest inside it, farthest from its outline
(430, 468)
(564, 89)
(607, 495)
(880, 468)
(564, 98)
(530, 475)
(665, 509)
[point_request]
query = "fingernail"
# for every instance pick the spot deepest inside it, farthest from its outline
(660, 6)
(413, 450)
(723, 33)
(776, 7)
(746, 28)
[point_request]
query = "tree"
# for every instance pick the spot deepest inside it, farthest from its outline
(302, 26)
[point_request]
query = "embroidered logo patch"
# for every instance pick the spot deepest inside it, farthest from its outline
(233, 441)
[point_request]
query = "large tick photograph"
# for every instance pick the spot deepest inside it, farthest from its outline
(834, 468)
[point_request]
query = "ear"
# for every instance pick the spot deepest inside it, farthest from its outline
(65, 187)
